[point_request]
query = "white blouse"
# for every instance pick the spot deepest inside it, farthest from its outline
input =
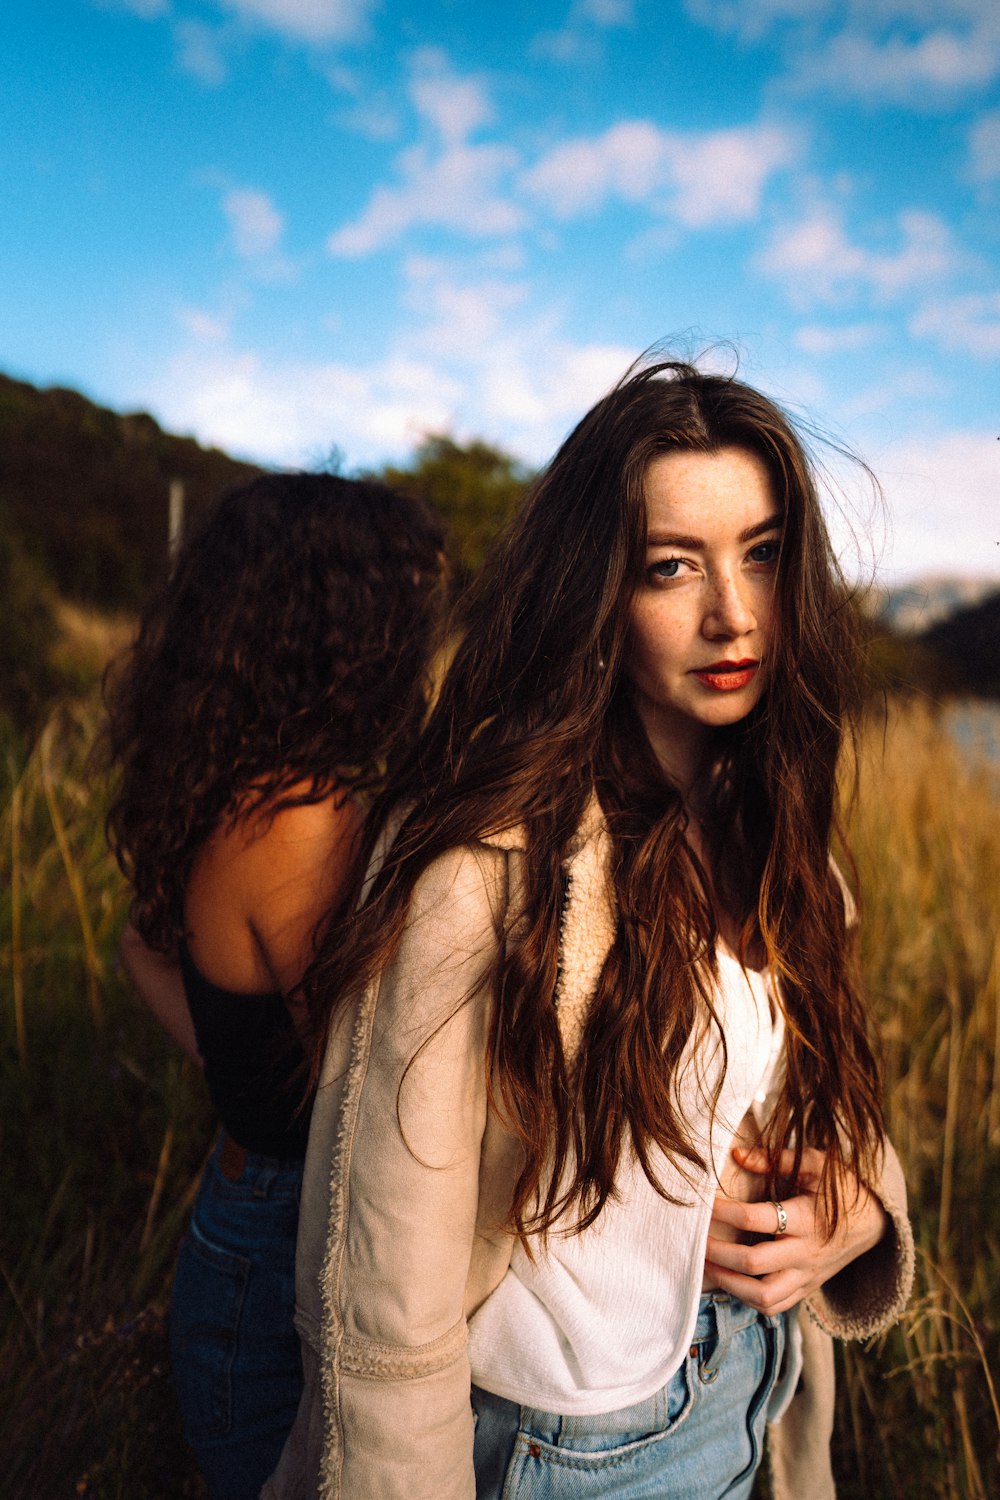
(603, 1319)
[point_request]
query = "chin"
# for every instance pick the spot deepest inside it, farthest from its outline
(722, 715)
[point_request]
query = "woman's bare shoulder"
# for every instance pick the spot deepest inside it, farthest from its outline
(263, 881)
(263, 840)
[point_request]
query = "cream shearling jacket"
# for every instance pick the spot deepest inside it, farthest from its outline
(407, 1182)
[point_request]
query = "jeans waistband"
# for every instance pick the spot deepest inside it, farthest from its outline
(720, 1318)
(254, 1170)
(719, 1312)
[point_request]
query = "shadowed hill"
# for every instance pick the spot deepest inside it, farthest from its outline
(84, 491)
(970, 638)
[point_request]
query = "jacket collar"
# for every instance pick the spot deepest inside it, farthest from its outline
(592, 826)
(588, 923)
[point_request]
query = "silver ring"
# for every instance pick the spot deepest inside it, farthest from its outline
(782, 1228)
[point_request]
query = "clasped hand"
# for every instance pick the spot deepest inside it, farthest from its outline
(779, 1271)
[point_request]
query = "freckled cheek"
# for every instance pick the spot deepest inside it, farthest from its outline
(653, 647)
(766, 611)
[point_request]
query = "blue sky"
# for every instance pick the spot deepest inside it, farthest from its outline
(294, 226)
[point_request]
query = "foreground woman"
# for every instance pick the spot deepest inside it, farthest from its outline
(597, 1151)
(277, 679)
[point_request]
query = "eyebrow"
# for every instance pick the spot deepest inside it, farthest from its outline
(675, 539)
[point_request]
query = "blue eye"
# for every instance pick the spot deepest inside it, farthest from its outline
(666, 567)
(765, 552)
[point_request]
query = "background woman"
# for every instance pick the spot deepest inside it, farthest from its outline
(598, 1109)
(274, 682)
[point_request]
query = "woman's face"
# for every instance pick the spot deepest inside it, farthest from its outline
(702, 615)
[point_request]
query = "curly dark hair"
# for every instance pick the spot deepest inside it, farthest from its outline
(287, 655)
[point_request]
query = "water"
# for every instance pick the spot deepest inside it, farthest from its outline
(975, 725)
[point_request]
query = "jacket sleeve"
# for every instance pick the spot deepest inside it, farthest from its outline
(404, 1192)
(870, 1293)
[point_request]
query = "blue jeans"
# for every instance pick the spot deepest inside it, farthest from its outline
(235, 1352)
(698, 1438)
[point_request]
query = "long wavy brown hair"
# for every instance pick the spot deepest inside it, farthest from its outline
(535, 718)
(287, 656)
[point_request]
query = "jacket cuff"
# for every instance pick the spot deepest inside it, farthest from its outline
(870, 1294)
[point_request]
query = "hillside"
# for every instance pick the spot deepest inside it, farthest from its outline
(84, 498)
(913, 609)
(971, 638)
(83, 523)
(84, 491)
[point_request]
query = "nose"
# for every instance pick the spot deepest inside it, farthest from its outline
(730, 610)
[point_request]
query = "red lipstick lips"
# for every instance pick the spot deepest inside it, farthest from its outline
(727, 676)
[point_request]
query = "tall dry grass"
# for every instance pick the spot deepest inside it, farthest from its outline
(104, 1131)
(102, 1135)
(921, 1417)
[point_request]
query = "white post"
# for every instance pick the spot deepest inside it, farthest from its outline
(175, 524)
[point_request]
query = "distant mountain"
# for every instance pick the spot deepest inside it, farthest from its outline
(970, 640)
(84, 491)
(918, 607)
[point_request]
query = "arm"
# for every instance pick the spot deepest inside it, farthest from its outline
(856, 1282)
(157, 980)
(403, 1203)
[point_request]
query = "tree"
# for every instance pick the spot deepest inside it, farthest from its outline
(475, 487)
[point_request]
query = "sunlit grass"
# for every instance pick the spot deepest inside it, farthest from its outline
(926, 835)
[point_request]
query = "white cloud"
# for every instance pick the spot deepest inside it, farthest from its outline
(893, 394)
(455, 107)
(963, 325)
(626, 162)
(147, 10)
(821, 340)
(904, 69)
(575, 41)
(457, 190)
(942, 493)
(373, 120)
(460, 316)
(721, 175)
(751, 22)
(444, 181)
(255, 224)
(608, 12)
(314, 21)
(699, 178)
(375, 111)
(819, 263)
(522, 382)
(447, 180)
(293, 411)
(918, 52)
(203, 326)
(984, 148)
(473, 359)
(199, 52)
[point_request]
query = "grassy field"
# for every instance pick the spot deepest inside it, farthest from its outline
(104, 1132)
(921, 1417)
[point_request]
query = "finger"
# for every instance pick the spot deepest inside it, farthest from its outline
(763, 1259)
(753, 1159)
(763, 1218)
(770, 1294)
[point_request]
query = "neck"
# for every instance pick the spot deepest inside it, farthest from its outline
(682, 747)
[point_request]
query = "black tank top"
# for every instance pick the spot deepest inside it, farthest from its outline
(255, 1065)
